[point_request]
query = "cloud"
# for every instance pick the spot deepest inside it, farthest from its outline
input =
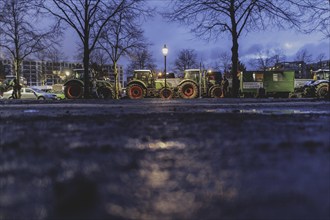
(288, 45)
(252, 49)
(315, 49)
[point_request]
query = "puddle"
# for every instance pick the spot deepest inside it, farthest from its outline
(31, 111)
(157, 144)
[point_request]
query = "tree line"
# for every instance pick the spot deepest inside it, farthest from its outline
(29, 27)
(36, 27)
(211, 19)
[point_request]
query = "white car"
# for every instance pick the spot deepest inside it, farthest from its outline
(31, 93)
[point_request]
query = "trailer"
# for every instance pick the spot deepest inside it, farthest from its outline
(279, 84)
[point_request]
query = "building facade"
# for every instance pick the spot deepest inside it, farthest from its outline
(299, 67)
(303, 70)
(39, 73)
(324, 64)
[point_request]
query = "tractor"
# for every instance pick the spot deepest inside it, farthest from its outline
(191, 86)
(74, 87)
(319, 87)
(145, 84)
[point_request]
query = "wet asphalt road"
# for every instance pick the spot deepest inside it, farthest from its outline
(165, 159)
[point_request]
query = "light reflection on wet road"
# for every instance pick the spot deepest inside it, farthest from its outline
(209, 159)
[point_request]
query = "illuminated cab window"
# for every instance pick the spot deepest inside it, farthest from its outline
(258, 77)
(277, 77)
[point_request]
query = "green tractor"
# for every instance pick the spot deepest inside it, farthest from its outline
(145, 84)
(74, 87)
(191, 86)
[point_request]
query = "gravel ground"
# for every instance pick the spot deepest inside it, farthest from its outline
(165, 159)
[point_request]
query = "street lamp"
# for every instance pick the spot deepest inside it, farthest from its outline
(165, 52)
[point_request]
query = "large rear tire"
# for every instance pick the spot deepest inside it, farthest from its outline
(106, 93)
(188, 90)
(135, 91)
(215, 92)
(73, 90)
(321, 90)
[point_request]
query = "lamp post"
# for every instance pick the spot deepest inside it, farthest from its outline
(165, 51)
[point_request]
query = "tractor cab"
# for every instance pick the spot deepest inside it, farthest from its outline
(146, 76)
(78, 74)
(192, 74)
(322, 74)
(214, 77)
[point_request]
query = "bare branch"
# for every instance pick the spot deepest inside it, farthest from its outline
(89, 18)
(186, 59)
(19, 33)
(210, 19)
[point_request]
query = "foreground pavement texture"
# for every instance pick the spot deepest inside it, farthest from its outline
(165, 159)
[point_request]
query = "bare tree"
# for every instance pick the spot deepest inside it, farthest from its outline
(141, 59)
(224, 61)
(186, 59)
(266, 59)
(88, 19)
(211, 18)
(304, 55)
(263, 60)
(52, 54)
(318, 16)
(122, 35)
(19, 35)
(98, 60)
(320, 57)
(278, 56)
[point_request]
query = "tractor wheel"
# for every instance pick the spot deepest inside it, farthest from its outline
(166, 93)
(215, 92)
(308, 92)
(135, 91)
(188, 90)
(321, 90)
(105, 92)
(73, 90)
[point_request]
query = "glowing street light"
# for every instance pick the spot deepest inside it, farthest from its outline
(165, 52)
(165, 93)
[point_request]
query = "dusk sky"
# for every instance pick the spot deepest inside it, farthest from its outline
(176, 37)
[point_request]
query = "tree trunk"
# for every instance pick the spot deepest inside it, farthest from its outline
(87, 52)
(86, 72)
(17, 62)
(116, 80)
(17, 71)
(234, 69)
(234, 50)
